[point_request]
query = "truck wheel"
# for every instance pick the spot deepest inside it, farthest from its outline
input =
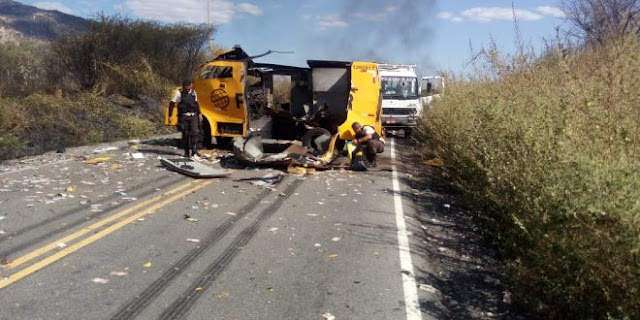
(206, 135)
(318, 139)
(407, 132)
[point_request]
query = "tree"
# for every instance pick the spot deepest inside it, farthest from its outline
(598, 21)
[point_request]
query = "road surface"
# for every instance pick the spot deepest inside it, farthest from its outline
(127, 239)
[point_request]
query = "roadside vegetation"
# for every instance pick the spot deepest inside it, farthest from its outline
(108, 83)
(547, 148)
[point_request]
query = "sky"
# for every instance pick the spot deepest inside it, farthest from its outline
(437, 35)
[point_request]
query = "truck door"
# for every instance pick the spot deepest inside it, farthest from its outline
(365, 100)
(220, 88)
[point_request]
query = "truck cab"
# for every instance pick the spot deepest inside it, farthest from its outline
(431, 88)
(401, 107)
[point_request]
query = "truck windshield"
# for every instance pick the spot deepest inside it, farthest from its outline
(399, 87)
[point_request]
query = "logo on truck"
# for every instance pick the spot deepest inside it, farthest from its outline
(220, 99)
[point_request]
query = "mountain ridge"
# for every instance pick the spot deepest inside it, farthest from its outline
(20, 21)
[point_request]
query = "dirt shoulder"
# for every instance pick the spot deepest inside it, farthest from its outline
(455, 260)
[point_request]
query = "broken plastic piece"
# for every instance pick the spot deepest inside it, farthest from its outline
(190, 219)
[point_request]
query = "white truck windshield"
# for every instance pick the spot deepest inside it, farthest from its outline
(399, 87)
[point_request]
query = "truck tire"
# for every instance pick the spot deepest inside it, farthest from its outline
(317, 139)
(408, 132)
(206, 134)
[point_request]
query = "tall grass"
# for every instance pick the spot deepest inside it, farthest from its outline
(548, 149)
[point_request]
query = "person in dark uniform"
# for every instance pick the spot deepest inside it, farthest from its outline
(189, 117)
(369, 141)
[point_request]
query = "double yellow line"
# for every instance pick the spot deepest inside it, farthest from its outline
(142, 209)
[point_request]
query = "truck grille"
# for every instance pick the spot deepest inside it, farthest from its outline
(398, 111)
(229, 128)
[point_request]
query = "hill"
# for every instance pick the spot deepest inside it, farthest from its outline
(20, 21)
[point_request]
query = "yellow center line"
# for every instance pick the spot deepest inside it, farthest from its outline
(93, 238)
(54, 245)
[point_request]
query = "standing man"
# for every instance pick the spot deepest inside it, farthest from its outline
(189, 117)
(369, 141)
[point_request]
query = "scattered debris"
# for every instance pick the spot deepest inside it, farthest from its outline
(506, 298)
(99, 280)
(317, 245)
(104, 150)
(2, 218)
(435, 162)
(147, 265)
(446, 205)
(118, 273)
(198, 289)
(70, 189)
(268, 180)
(224, 294)
(428, 288)
(333, 256)
(190, 219)
(274, 229)
(138, 156)
(232, 214)
(62, 245)
(193, 240)
(98, 160)
(328, 316)
(271, 289)
(336, 239)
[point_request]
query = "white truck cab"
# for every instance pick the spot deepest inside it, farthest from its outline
(401, 106)
(431, 88)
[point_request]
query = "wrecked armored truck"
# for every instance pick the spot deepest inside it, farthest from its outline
(286, 114)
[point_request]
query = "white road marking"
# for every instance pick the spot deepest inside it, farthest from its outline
(412, 306)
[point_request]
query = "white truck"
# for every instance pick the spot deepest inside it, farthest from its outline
(431, 88)
(401, 107)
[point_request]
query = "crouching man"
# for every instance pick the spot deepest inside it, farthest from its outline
(368, 141)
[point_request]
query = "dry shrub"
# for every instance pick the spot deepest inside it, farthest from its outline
(41, 123)
(549, 149)
(115, 46)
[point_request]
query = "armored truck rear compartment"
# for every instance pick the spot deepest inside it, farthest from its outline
(331, 88)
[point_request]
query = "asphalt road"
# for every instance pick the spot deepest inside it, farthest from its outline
(111, 241)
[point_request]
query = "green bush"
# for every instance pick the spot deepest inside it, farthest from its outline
(548, 149)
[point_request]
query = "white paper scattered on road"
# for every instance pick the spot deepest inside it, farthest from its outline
(328, 316)
(99, 280)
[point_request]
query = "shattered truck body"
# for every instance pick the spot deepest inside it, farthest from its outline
(287, 114)
(311, 126)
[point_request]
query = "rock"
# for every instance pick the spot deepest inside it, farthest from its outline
(122, 100)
